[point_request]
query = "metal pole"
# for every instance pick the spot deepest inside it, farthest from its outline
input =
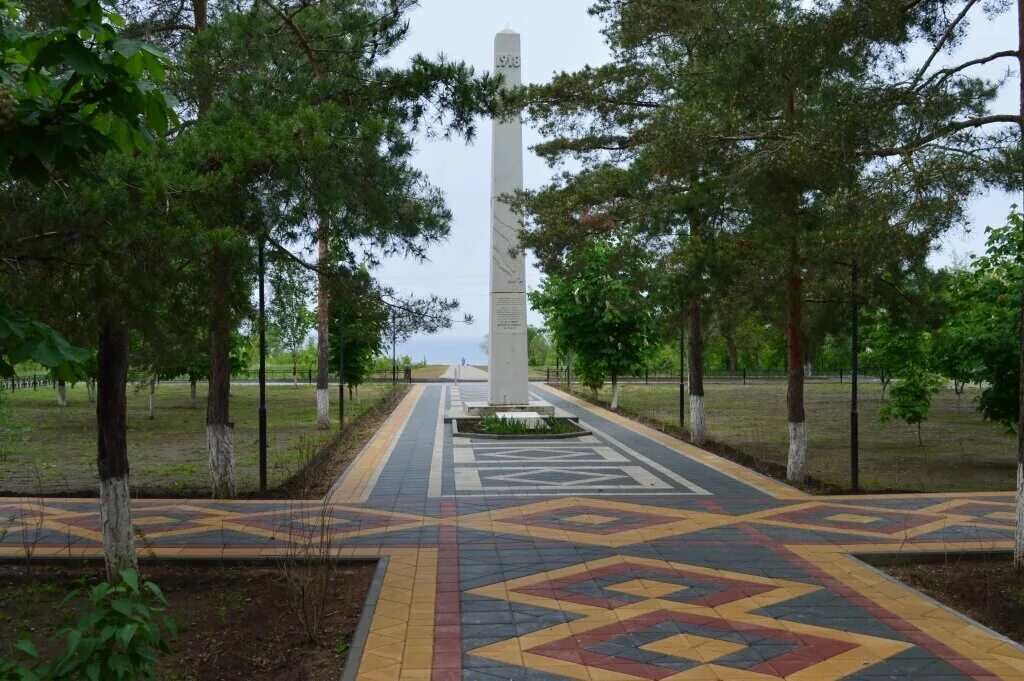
(682, 379)
(341, 369)
(263, 370)
(854, 416)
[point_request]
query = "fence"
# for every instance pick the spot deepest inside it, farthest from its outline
(724, 375)
(40, 381)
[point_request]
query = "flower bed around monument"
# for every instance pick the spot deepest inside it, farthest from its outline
(491, 427)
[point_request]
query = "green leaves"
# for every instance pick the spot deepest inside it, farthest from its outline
(910, 400)
(598, 309)
(78, 90)
(115, 638)
(23, 338)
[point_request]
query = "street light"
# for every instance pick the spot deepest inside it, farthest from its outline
(263, 367)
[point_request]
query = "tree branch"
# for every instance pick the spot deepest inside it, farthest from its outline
(942, 132)
(967, 64)
(942, 41)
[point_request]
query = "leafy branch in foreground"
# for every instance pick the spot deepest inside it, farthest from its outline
(118, 636)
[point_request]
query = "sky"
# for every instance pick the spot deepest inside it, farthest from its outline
(559, 35)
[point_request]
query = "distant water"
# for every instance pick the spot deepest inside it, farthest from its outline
(443, 349)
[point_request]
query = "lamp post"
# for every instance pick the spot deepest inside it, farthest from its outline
(341, 369)
(263, 367)
(854, 351)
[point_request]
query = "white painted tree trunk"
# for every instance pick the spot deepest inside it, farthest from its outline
(62, 394)
(90, 390)
(698, 425)
(615, 394)
(796, 467)
(152, 398)
(220, 443)
(116, 520)
(323, 409)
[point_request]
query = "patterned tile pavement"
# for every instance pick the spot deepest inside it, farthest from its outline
(621, 556)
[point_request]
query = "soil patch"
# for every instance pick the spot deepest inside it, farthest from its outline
(986, 589)
(235, 622)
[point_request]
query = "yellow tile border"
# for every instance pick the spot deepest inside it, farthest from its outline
(961, 634)
(362, 475)
(731, 469)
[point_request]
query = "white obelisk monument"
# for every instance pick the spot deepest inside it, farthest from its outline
(509, 381)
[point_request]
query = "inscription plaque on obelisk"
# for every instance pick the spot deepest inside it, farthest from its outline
(509, 379)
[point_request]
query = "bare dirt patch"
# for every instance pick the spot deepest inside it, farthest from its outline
(234, 621)
(988, 590)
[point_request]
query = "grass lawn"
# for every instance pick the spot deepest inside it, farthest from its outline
(52, 450)
(961, 452)
(428, 371)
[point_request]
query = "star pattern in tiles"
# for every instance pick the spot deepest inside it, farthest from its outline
(669, 620)
(987, 513)
(620, 581)
(60, 523)
(867, 521)
(586, 521)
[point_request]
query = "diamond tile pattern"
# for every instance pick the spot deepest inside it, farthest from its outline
(625, 555)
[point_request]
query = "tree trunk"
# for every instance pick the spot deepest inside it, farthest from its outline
(732, 352)
(920, 442)
(809, 356)
(615, 393)
(796, 468)
(323, 397)
(698, 425)
(192, 380)
(152, 397)
(295, 373)
(62, 393)
(1018, 545)
(219, 429)
(90, 388)
(112, 448)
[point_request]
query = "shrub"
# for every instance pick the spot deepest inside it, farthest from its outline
(117, 638)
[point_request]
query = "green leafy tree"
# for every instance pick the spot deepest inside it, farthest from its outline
(318, 159)
(773, 118)
(986, 320)
(359, 316)
(597, 307)
(73, 88)
(888, 349)
(910, 400)
(289, 315)
(538, 346)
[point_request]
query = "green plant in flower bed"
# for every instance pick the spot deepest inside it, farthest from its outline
(500, 426)
(117, 637)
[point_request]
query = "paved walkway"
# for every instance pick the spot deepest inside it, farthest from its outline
(624, 555)
(464, 373)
